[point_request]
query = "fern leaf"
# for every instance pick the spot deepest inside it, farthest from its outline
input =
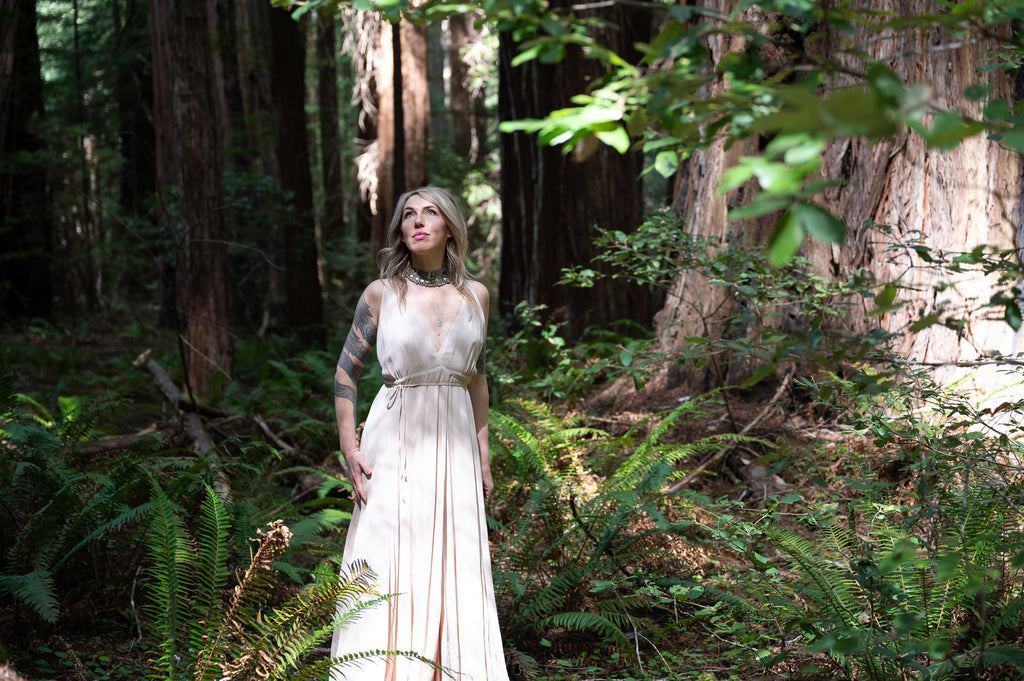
(36, 590)
(587, 621)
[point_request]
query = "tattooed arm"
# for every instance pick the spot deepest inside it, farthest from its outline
(360, 341)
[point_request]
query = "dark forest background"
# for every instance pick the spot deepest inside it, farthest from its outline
(753, 355)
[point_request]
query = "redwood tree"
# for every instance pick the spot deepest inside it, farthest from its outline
(26, 227)
(181, 45)
(302, 283)
(954, 198)
(553, 203)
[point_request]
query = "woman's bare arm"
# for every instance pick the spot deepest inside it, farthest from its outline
(358, 345)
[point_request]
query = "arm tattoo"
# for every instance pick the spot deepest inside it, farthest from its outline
(481, 359)
(358, 344)
(344, 392)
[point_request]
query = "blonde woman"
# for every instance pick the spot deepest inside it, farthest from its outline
(421, 472)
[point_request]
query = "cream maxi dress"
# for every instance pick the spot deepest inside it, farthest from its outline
(423, 529)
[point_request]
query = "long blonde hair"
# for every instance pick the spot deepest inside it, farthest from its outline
(395, 260)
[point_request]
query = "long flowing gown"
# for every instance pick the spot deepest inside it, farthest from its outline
(423, 530)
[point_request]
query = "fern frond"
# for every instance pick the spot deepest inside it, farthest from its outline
(587, 621)
(170, 555)
(35, 590)
(211, 565)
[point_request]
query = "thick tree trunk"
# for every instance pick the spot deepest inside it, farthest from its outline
(134, 101)
(364, 45)
(404, 131)
(333, 221)
(552, 204)
(225, 62)
(302, 283)
(195, 136)
(171, 245)
(954, 199)
(468, 116)
(26, 225)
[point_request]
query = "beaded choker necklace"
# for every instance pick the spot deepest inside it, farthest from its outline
(433, 278)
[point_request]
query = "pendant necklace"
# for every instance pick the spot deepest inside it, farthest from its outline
(440, 315)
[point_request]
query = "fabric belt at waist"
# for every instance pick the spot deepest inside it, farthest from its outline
(452, 379)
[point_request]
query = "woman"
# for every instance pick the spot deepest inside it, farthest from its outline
(421, 472)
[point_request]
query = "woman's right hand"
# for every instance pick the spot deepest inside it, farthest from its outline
(357, 470)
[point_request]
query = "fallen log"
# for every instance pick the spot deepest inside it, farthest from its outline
(112, 442)
(189, 418)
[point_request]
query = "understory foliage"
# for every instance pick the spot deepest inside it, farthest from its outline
(205, 627)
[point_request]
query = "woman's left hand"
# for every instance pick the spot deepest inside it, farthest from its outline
(488, 484)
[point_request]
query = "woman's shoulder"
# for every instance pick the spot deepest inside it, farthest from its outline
(481, 294)
(480, 291)
(373, 293)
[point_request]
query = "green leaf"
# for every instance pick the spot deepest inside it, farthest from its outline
(885, 298)
(1012, 315)
(925, 322)
(666, 163)
(785, 240)
(617, 138)
(760, 373)
(819, 223)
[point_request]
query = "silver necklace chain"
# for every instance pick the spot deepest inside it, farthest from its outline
(433, 278)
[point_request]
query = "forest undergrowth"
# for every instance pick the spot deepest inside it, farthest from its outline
(839, 516)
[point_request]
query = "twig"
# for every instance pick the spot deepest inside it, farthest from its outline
(586, 530)
(746, 429)
(278, 442)
(190, 419)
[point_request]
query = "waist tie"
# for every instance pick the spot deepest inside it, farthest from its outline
(396, 386)
(445, 377)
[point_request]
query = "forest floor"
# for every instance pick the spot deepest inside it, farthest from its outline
(97, 635)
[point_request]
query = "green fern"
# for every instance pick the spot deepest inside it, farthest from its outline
(206, 631)
(566, 530)
(56, 504)
(588, 621)
(36, 591)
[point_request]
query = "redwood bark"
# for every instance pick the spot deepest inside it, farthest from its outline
(956, 199)
(333, 222)
(405, 133)
(198, 155)
(26, 224)
(552, 204)
(302, 283)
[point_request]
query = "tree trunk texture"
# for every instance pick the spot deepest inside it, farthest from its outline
(225, 63)
(255, 85)
(134, 104)
(167, 161)
(364, 31)
(693, 307)
(302, 283)
(333, 220)
(468, 120)
(552, 204)
(414, 118)
(195, 135)
(955, 199)
(26, 224)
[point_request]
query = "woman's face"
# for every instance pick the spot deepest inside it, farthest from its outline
(424, 230)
